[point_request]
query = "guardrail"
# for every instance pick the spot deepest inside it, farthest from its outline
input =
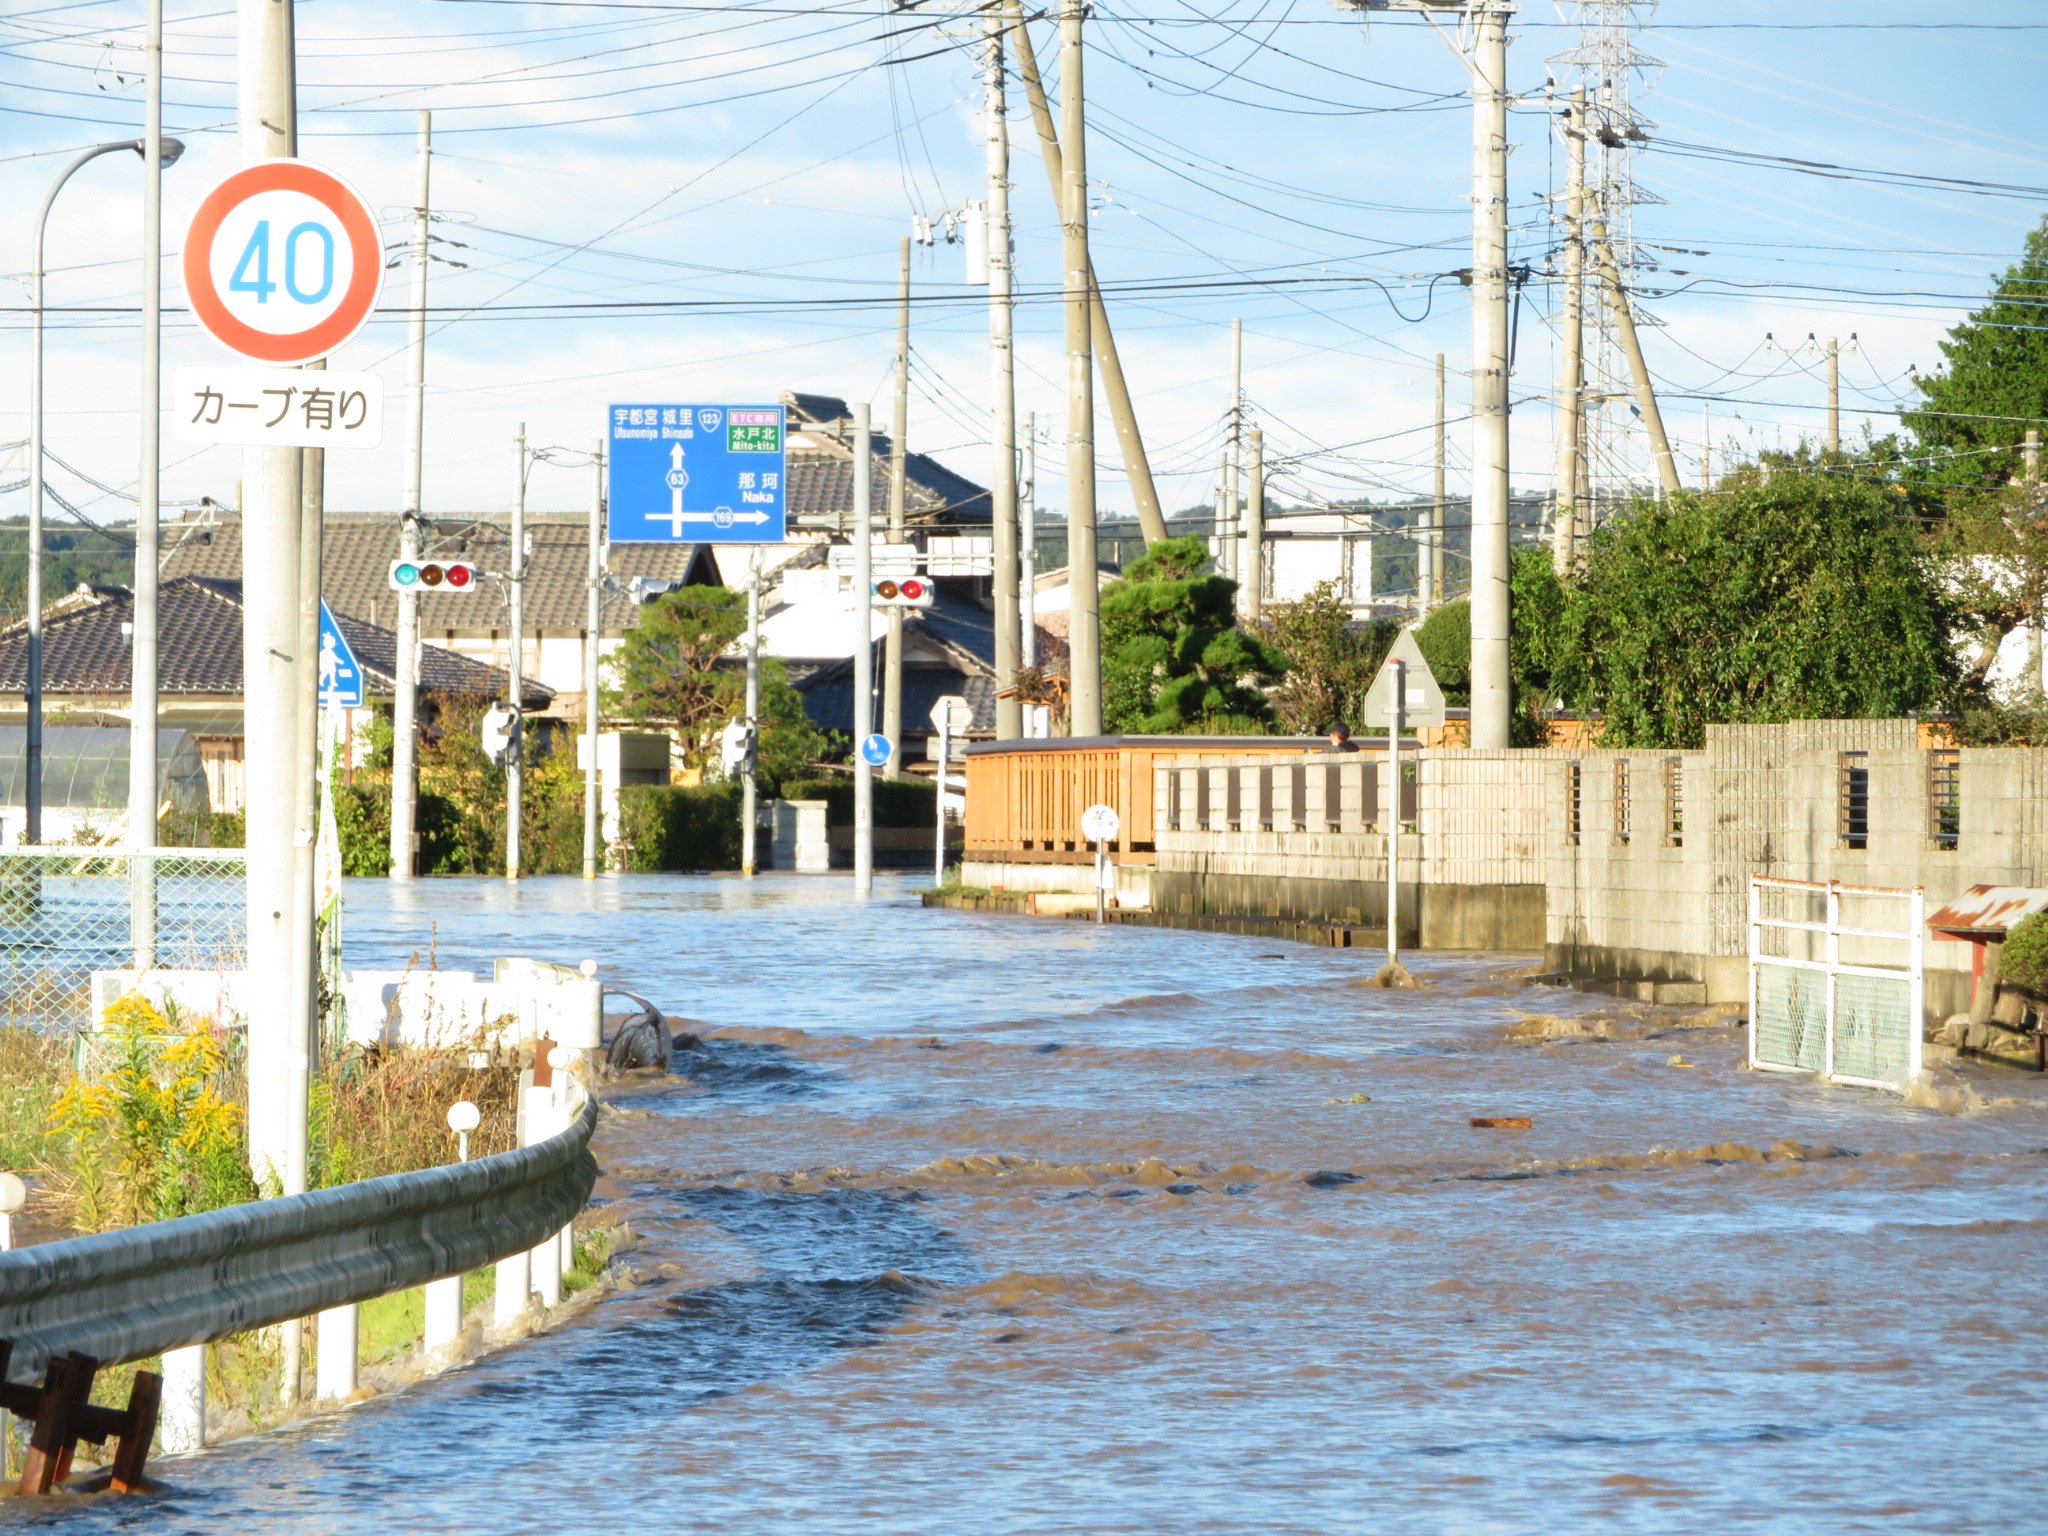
(114, 1297)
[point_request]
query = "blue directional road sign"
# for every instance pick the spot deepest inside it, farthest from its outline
(697, 474)
(875, 750)
(341, 675)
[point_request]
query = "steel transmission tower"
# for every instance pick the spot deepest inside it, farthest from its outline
(1615, 73)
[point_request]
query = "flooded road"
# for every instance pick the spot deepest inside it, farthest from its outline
(971, 1224)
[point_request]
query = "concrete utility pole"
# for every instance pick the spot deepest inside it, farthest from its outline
(863, 651)
(1435, 551)
(1571, 404)
(748, 785)
(899, 489)
(1003, 367)
(593, 634)
(1631, 345)
(267, 117)
(1084, 635)
(1117, 392)
(1489, 520)
(1233, 460)
(405, 694)
(143, 786)
(515, 667)
(1255, 531)
(1027, 550)
(1834, 443)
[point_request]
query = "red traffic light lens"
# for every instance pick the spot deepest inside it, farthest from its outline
(913, 589)
(886, 591)
(460, 575)
(430, 575)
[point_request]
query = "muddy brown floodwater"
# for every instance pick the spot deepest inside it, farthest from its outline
(971, 1224)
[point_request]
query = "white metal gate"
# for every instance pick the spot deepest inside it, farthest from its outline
(1836, 980)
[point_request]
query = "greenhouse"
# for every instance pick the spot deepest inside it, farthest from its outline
(85, 784)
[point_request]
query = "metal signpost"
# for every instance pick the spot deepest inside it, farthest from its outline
(1405, 693)
(951, 715)
(697, 474)
(1100, 825)
(282, 264)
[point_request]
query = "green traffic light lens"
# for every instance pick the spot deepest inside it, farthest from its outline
(406, 575)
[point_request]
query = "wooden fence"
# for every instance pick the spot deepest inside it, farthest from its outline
(1025, 798)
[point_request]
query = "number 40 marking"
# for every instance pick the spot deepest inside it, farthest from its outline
(257, 254)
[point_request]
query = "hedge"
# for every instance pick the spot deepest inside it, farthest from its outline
(678, 826)
(2023, 957)
(898, 802)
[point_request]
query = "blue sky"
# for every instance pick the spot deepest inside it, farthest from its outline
(746, 170)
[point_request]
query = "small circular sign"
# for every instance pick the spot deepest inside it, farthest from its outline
(1100, 824)
(875, 750)
(282, 263)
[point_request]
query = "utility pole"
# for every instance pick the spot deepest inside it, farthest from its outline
(267, 117)
(749, 787)
(405, 694)
(1631, 345)
(1084, 635)
(1233, 463)
(143, 784)
(1435, 550)
(593, 621)
(1564, 525)
(1255, 531)
(1489, 520)
(863, 651)
(1003, 365)
(515, 760)
(899, 488)
(1117, 392)
(1027, 548)
(1834, 396)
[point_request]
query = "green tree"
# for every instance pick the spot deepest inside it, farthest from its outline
(1995, 384)
(1173, 658)
(789, 744)
(666, 671)
(1793, 593)
(1331, 661)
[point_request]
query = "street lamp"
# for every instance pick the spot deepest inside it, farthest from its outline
(33, 795)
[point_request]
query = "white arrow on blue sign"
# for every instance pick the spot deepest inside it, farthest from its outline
(341, 675)
(711, 474)
(875, 750)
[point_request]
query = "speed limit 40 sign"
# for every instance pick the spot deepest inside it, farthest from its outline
(282, 263)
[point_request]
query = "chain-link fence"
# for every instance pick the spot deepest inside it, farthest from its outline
(68, 912)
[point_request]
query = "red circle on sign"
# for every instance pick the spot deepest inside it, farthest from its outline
(357, 225)
(458, 575)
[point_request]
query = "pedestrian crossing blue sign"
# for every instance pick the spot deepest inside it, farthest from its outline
(341, 675)
(696, 474)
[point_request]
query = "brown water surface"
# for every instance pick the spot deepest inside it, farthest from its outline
(971, 1224)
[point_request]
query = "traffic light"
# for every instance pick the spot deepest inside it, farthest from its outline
(433, 576)
(902, 592)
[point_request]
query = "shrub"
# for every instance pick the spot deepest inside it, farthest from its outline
(2023, 957)
(898, 802)
(385, 1111)
(677, 826)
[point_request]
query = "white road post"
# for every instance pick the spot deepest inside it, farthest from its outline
(749, 782)
(337, 1347)
(1101, 862)
(945, 760)
(13, 1196)
(181, 1418)
(1394, 718)
(444, 1296)
(863, 651)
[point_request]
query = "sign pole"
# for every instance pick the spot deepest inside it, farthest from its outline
(749, 783)
(1101, 858)
(863, 651)
(945, 757)
(1394, 813)
(593, 632)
